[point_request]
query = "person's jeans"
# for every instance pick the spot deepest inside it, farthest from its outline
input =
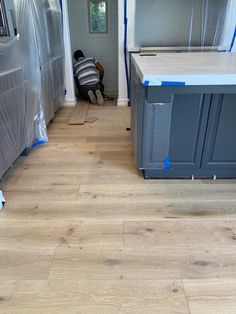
(83, 89)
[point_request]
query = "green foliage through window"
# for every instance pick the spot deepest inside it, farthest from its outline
(98, 16)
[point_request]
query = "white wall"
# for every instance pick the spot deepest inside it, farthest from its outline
(122, 87)
(69, 80)
(123, 97)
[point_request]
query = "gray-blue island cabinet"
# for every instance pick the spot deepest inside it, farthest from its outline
(184, 128)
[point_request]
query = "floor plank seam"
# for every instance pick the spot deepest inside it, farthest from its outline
(182, 280)
(51, 265)
(78, 194)
(123, 233)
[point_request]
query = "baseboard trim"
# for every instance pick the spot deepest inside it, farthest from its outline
(69, 103)
(122, 102)
(111, 92)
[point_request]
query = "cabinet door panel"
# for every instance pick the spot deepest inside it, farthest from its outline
(176, 130)
(220, 147)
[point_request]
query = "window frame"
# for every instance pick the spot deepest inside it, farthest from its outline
(89, 18)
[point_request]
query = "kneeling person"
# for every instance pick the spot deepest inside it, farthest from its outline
(89, 74)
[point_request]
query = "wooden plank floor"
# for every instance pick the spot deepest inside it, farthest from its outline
(83, 232)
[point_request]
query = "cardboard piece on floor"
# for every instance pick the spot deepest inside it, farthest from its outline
(79, 113)
(91, 119)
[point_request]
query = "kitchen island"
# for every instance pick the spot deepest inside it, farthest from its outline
(183, 114)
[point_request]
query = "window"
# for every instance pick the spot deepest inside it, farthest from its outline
(97, 16)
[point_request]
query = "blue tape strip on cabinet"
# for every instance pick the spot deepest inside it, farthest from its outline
(38, 143)
(167, 83)
(146, 83)
(167, 163)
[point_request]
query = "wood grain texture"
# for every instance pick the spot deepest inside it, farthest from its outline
(129, 211)
(25, 263)
(143, 263)
(211, 296)
(94, 297)
(157, 192)
(42, 234)
(42, 193)
(181, 234)
(83, 232)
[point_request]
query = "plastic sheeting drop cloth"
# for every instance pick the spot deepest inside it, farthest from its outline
(185, 23)
(31, 77)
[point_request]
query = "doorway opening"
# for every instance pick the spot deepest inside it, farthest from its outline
(94, 30)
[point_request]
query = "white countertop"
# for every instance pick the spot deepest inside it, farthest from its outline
(194, 68)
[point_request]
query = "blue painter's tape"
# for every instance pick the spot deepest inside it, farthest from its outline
(167, 83)
(125, 46)
(146, 83)
(40, 142)
(233, 40)
(167, 163)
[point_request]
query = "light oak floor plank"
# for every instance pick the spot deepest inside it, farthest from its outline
(128, 211)
(44, 193)
(180, 234)
(94, 297)
(57, 233)
(25, 264)
(145, 263)
(157, 192)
